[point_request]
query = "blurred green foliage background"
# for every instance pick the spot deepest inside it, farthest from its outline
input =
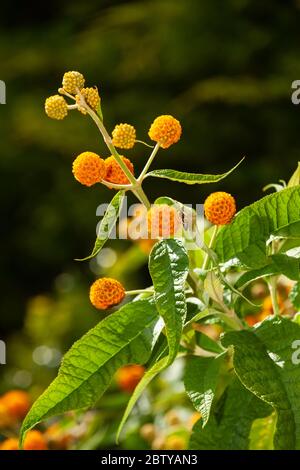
(223, 68)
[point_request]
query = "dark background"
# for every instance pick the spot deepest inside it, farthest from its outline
(223, 68)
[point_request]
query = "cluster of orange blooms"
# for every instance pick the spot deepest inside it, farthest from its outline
(14, 405)
(178, 430)
(128, 377)
(163, 221)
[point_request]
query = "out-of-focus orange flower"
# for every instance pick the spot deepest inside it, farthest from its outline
(35, 440)
(16, 403)
(128, 377)
(175, 443)
(10, 444)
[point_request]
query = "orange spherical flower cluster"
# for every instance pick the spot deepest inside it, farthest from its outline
(128, 377)
(11, 443)
(89, 168)
(219, 208)
(163, 221)
(114, 173)
(34, 440)
(106, 292)
(73, 81)
(124, 136)
(16, 403)
(56, 107)
(165, 130)
(91, 97)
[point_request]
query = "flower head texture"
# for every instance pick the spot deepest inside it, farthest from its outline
(73, 80)
(124, 136)
(16, 403)
(89, 168)
(128, 377)
(91, 97)
(219, 208)
(106, 292)
(114, 173)
(56, 107)
(165, 130)
(163, 221)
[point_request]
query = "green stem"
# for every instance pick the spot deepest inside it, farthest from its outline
(273, 293)
(144, 143)
(148, 164)
(211, 243)
(136, 189)
(139, 291)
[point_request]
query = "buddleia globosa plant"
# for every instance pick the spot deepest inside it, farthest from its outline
(244, 382)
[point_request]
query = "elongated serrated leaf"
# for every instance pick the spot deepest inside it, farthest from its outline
(279, 264)
(107, 224)
(191, 178)
(200, 380)
(246, 237)
(263, 360)
(168, 267)
(126, 336)
(229, 427)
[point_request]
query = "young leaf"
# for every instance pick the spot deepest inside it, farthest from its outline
(190, 178)
(263, 360)
(229, 427)
(295, 178)
(200, 381)
(107, 224)
(126, 336)
(246, 237)
(168, 267)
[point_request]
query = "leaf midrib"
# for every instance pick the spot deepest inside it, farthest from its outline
(61, 373)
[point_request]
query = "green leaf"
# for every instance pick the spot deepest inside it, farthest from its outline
(200, 381)
(107, 224)
(168, 267)
(294, 295)
(205, 342)
(263, 360)
(229, 427)
(246, 237)
(295, 178)
(126, 336)
(279, 264)
(262, 433)
(190, 178)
